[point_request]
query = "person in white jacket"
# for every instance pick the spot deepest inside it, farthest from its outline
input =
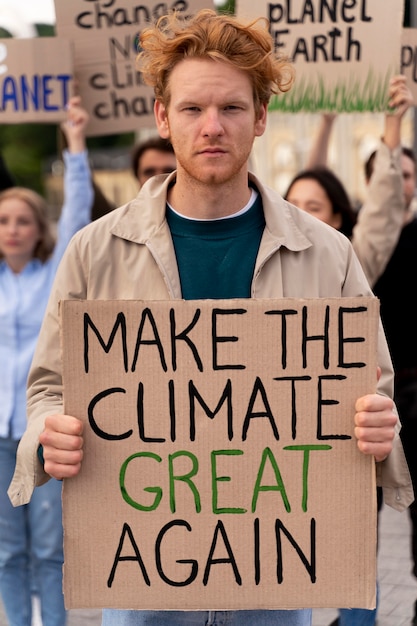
(390, 178)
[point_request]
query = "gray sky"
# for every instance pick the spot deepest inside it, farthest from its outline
(17, 15)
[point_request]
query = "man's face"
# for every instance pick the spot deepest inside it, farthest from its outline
(409, 178)
(153, 162)
(211, 120)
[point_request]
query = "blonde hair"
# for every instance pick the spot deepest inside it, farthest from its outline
(247, 46)
(37, 204)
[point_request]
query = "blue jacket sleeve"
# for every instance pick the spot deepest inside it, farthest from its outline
(78, 201)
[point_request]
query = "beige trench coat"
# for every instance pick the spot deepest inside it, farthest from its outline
(128, 254)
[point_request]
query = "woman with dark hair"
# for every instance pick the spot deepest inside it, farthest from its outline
(319, 191)
(375, 233)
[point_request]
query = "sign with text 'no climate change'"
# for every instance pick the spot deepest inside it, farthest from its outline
(35, 79)
(344, 51)
(220, 466)
(105, 35)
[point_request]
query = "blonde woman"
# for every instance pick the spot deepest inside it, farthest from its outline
(31, 536)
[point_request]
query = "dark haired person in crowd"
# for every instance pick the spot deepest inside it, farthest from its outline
(398, 313)
(320, 192)
(151, 157)
(390, 177)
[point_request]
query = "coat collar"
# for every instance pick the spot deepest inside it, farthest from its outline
(284, 222)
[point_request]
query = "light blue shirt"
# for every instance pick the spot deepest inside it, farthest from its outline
(23, 298)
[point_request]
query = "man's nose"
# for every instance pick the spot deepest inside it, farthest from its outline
(212, 123)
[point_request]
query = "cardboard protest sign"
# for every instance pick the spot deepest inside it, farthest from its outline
(409, 59)
(220, 467)
(344, 52)
(105, 37)
(35, 79)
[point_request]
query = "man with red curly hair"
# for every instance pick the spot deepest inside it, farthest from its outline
(210, 230)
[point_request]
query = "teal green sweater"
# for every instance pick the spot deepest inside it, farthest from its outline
(216, 258)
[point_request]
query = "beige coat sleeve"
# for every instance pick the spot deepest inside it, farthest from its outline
(381, 217)
(392, 474)
(45, 391)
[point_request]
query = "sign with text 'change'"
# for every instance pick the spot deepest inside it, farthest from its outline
(105, 35)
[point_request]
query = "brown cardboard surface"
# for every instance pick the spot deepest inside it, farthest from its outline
(344, 52)
(409, 59)
(105, 48)
(220, 468)
(35, 79)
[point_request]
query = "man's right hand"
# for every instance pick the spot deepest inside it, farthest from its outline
(62, 444)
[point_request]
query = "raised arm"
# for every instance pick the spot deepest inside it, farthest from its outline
(74, 127)
(381, 218)
(319, 152)
(78, 186)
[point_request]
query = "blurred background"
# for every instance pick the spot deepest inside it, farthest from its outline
(32, 152)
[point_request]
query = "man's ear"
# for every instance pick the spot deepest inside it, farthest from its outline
(260, 122)
(161, 118)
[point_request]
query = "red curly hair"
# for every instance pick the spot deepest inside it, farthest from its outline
(220, 37)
